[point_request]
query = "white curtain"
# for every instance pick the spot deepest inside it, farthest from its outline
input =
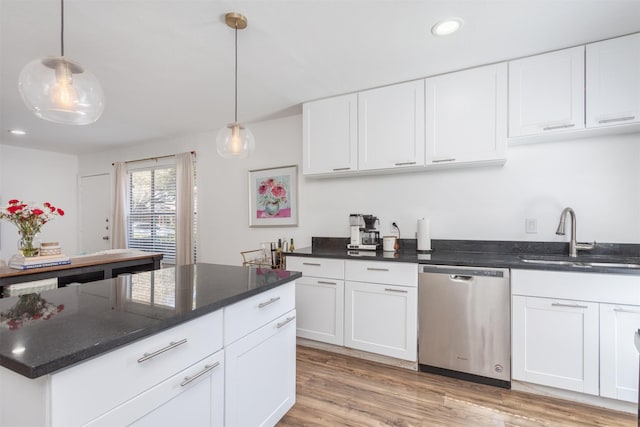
(120, 208)
(184, 209)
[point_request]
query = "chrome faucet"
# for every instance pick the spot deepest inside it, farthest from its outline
(574, 246)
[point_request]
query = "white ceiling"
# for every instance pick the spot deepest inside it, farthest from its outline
(166, 66)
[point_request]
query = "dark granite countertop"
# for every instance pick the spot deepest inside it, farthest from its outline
(498, 254)
(79, 322)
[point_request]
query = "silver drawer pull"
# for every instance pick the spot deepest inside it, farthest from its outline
(266, 303)
(617, 119)
(315, 264)
(624, 310)
(287, 320)
(341, 169)
(405, 163)
(557, 304)
(172, 345)
(450, 159)
(377, 269)
(207, 368)
(559, 127)
(323, 282)
(402, 291)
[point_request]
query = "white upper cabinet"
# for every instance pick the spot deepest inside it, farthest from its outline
(391, 126)
(613, 81)
(330, 135)
(466, 116)
(546, 93)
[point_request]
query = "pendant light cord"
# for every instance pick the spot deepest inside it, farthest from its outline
(61, 27)
(236, 75)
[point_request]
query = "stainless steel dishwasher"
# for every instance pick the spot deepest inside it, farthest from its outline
(464, 328)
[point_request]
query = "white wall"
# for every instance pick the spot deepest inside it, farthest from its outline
(598, 177)
(36, 176)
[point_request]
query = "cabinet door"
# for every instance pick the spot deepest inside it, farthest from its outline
(613, 81)
(391, 126)
(382, 319)
(618, 355)
(194, 397)
(555, 343)
(466, 115)
(260, 375)
(330, 135)
(320, 308)
(546, 93)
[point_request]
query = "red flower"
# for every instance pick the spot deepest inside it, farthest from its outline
(37, 211)
(14, 208)
(14, 202)
(262, 189)
(47, 204)
(279, 191)
(60, 212)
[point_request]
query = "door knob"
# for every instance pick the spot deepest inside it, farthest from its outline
(105, 237)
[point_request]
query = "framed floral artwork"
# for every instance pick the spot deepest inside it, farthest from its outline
(273, 197)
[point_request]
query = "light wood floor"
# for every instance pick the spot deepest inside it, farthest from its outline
(337, 390)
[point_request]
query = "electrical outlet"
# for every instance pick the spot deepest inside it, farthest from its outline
(531, 225)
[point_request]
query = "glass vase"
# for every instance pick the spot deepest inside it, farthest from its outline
(272, 208)
(29, 244)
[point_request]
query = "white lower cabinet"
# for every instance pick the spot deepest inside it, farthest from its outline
(320, 303)
(194, 397)
(260, 380)
(381, 319)
(555, 343)
(618, 355)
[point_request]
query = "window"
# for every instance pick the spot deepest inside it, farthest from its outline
(151, 223)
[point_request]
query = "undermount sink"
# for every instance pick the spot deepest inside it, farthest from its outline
(581, 264)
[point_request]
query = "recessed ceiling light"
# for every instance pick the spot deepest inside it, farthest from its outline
(17, 132)
(447, 26)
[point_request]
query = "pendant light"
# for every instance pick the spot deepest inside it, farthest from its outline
(60, 90)
(235, 140)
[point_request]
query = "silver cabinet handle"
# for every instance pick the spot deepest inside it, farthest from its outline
(559, 127)
(624, 310)
(617, 119)
(450, 159)
(287, 320)
(266, 303)
(402, 291)
(171, 346)
(377, 269)
(557, 304)
(341, 169)
(207, 368)
(324, 282)
(315, 264)
(405, 163)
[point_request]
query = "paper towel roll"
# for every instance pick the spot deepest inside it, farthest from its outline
(424, 235)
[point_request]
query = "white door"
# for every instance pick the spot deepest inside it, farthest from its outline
(320, 307)
(381, 319)
(391, 126)
(555, 343)
(466, 115)
(618, 354)
(546, 93)
(95, 213)
(613, 82)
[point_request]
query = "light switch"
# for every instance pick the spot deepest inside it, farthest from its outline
(531, 225)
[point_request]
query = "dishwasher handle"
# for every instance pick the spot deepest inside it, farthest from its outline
(460, 278)
(464, 273)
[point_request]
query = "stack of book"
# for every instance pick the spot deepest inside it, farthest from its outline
(25, 263)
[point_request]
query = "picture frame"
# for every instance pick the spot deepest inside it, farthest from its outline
(273, 197)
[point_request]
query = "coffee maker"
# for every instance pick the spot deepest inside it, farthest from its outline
(363, 232)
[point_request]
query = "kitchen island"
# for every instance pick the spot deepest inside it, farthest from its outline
(204, 340)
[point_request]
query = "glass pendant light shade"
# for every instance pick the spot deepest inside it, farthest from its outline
(60, 90)
(234, 141)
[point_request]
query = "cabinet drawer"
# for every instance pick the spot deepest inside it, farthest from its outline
(393, 273)
(246, 316)
(96, 386)
(317, 267)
